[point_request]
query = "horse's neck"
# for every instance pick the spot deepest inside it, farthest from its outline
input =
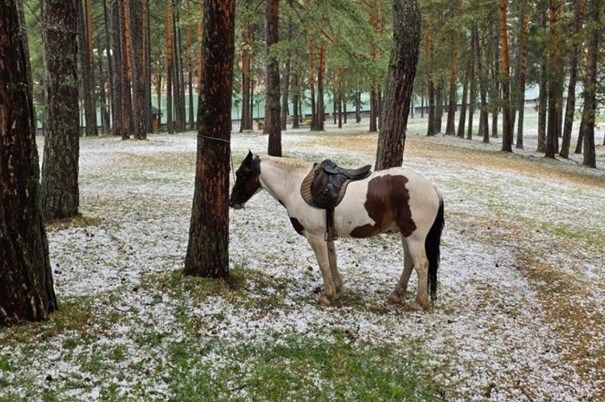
(278, 180)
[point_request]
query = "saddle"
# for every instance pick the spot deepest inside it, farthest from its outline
(325, 187)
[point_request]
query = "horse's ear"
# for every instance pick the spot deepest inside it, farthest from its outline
(248, 158)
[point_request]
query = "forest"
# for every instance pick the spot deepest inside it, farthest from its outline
(140, 260)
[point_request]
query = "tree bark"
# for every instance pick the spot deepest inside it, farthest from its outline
(59, 189)
(507, 135)
(543, 96)
(320, 108)
(26, 283)
(87, 66)
(439, 106)
(590, 100)
(431, 129)
(555, 80)
(357, 107)
(272, 101)
(108, 52)
(139, 72)
(400, 81)
(522, 70)
(208, 248)
(169, 44)
(462, 121)
(450, 128)
(570, 107)
(295, 101)
(246, 120)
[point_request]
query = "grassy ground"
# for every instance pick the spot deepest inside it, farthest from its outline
(519, 314)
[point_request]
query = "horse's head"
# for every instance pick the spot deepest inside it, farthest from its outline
(246, 181)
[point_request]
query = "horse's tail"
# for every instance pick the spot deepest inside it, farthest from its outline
(431, 245)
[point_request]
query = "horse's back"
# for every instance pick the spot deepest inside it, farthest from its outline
(395, 199)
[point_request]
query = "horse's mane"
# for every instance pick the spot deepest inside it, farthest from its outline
(287, 163)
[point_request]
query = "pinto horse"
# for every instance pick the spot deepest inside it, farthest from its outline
(392, 200)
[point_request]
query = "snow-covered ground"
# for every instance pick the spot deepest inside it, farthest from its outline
(497, 331)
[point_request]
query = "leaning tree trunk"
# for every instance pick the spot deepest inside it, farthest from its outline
(272, 106)
(208, 249)
(87, 64)
(507, 134)
(59, 190)
(26, 284)
(570, 108)
(400, 81)
(590, 100)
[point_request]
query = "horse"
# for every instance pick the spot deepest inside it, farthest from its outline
(392, 200)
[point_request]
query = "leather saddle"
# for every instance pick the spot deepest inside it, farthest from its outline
(325, 186)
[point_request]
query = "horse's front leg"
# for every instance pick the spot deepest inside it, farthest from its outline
(320, 249)
(334, 267)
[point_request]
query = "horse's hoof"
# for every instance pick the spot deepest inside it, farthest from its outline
(323, 301)
(415, 306)
(394, 298)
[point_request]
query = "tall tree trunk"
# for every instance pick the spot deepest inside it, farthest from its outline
(373, 109)
(286, 83)
(108, 52)
(507, 134)
(246, 121)
(439, 106)
(496, 90)
(126, 47)
(344, 107)
(483, 110)
(59, 190)
(169, 44)
(462, 121)
(522, 69)
(473, 87)
(87, 64)
(570, 107)
(320, 108)
(295, 101)
(26, 283)
(450, 128)
(158, 89)
(357, 107)
(543, 96)
(208, 248)
(555, 81)
(178, 81)
(400, 81)
(105, 125)
(272, 106)
(377, 23)
(590, 102)
(431, 129)
(139, 71)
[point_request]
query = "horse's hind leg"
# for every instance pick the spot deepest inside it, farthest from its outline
(334, 267)
(398, 294)
(421, 264)
(320, 249)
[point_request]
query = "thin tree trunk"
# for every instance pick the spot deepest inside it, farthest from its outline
(555, 82)
(570, 107)
(439, 106)
(285, 112)
(507, 134)
(462, 121)
(158, 90)
(590, 102)
(400, 81)
(522, 69)
(246, 120)
(26, 283)
(320, 109)
(126, 47)
(105, 125)
(496, 90)
(373, 109)
(450, 128)
(139, 71)
(59, 189)
(208, 248)
(357, 107)
(473, 87)
(272, 106)
(87, 63)
(190, 63)
(295, 101)
(108, 52)
(431, 129)
(344, 108)
(169, 43)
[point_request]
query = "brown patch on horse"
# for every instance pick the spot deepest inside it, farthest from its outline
(297, 226)
(387, 201)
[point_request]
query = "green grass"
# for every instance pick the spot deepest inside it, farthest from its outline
(302, 369)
